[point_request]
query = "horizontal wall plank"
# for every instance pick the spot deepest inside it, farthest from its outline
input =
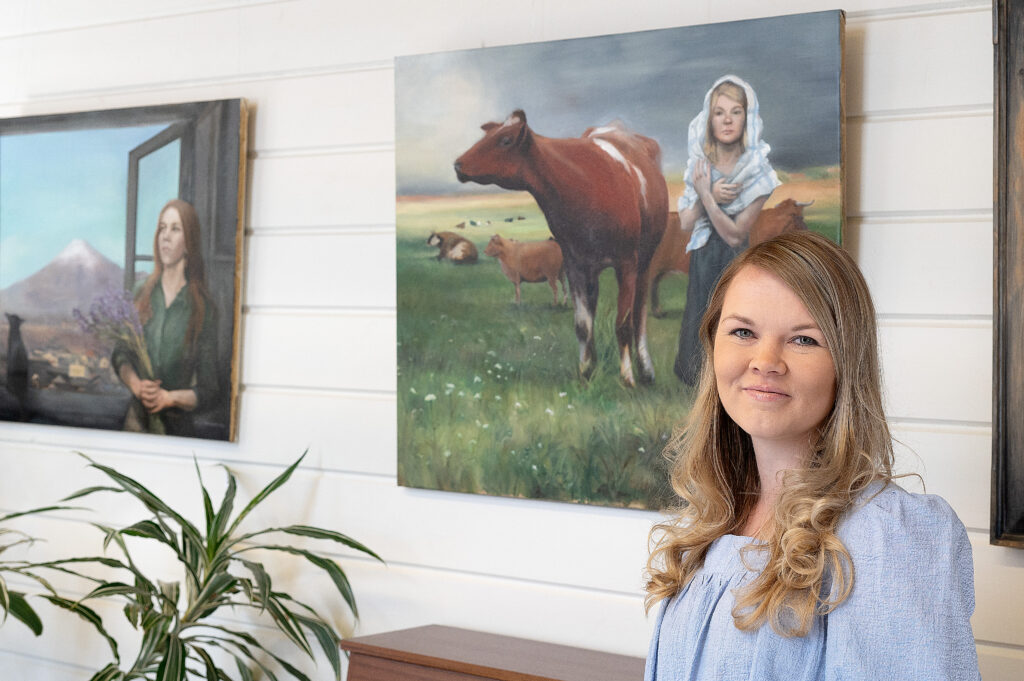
(937, 370)
(919, 61)
(344, 432)
(923, 165)
(925, 266)
(953, 462)
(465, 533)
(345, 189)
(319, 351)
(999, 592)
(1000, 663)
(338, 270)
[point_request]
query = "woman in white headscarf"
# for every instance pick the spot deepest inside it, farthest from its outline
(728, 179)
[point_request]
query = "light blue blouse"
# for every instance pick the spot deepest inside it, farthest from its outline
(907, 618)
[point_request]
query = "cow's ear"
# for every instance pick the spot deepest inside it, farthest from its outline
(520, 114)
(487, 127)
(523, 137)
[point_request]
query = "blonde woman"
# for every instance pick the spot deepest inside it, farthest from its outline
(728, 179)
(795, 555)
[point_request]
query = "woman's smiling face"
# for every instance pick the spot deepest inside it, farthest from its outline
(773, 369)
(728, 119)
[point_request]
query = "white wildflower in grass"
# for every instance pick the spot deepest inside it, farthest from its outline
(430, 397)
(477, 396)
(549, 411)
(462, 393)
(534, 467)
(492, 353)
(570, 407)
(534, 338)
(412, 390)
(518, 405)
(497, 365)
(641, 450)
(562, 394)
(447, 453)
(486, 426)
(477, 379)
(497, 398)
(478, 423)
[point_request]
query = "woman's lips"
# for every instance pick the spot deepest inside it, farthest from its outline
(765, 393)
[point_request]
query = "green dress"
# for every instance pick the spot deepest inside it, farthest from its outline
(172, 366)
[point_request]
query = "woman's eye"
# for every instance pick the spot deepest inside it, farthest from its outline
(742, 333)
(805, 340)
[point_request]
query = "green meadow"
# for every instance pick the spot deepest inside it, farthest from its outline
(489, 400)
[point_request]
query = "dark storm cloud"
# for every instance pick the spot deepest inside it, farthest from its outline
(654, 81)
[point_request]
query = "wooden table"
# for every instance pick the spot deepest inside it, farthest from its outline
(437, 653)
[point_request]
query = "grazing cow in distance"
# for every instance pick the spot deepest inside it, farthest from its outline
(529, 261)
(671, 255)
(605, 201)
(451, 246)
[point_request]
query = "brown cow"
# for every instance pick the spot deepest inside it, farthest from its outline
(671, 255)
(605, 200)
(529, 261)
(451, 246)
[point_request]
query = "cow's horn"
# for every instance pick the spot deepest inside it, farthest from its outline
(804, 204)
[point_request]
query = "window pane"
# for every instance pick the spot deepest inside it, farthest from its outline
(158, 184)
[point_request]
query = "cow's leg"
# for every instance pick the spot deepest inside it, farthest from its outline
(584, 286)
(626, 273)
(519, 298)
(643, 356)
(654, 283)
(553, 283)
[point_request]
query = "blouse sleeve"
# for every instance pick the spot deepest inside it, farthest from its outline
(908, 616)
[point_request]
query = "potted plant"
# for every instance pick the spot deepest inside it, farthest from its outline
(14, 603)
(220, 570)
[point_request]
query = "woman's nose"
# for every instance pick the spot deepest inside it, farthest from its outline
(767, 359)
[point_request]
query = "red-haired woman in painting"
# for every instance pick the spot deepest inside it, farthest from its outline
(179, 325)
(728, 180)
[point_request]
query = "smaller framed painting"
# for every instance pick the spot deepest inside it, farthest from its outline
(1007, 525)
(120, 264)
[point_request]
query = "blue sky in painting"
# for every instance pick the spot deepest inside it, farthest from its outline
(653, 81)
(59, 186)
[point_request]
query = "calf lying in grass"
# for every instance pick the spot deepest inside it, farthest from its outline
(529, 261)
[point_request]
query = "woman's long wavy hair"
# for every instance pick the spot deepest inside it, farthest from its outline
(195, 275)
(807, 570)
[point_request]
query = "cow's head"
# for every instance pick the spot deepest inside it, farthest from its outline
(495, 247)
(498, 157)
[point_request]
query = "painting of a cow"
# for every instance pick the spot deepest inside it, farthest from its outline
(605, 200)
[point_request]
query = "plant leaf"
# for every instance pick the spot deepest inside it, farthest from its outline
(172, 666)
(212, 673)
(41, 509)
(211, 596)
(108, 673)
(148, 530)
(23, 612)
(92, 490)
(335, 572)
(227, 504)
(89, 616)
(288, 624)
(329, 641)
(262, 582)
(330, 535)
(243, 671)
(111, 589)
(148, 499)
(266, 492)
(207, 502)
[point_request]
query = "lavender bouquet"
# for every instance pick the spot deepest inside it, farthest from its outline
(113, 319)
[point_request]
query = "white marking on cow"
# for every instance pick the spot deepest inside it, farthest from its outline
(610, 149)
(603, 130)
(625, 365)
(459, 251)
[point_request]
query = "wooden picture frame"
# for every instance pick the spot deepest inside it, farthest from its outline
(1007, 520)
(83, 197)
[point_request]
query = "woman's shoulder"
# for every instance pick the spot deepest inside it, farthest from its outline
(885, 512)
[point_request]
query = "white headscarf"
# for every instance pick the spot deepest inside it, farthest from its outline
(752, 171)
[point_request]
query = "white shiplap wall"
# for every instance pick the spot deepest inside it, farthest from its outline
(319, 316)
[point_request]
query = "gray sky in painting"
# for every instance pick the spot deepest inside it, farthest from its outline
(654, 81)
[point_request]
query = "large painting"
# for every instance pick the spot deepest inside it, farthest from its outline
(120, 237)
(1007, 527)
(563, 211)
